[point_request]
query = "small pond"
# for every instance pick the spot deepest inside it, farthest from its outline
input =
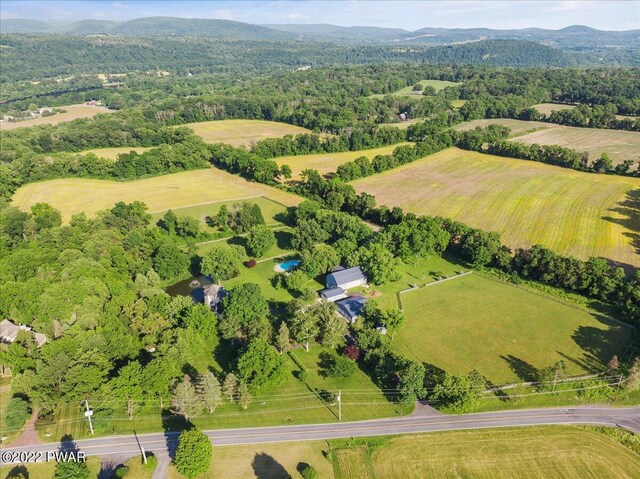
(190, 287)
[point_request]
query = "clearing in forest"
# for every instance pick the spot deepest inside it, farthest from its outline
(112, 153)
(329, 162)
(242, 132)
(548, 108)
(505, 332)
(620, 145)
(571, 212)
(73, 112)
(189, 188)
(408, 90)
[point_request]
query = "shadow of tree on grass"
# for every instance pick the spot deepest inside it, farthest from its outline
(266, 467)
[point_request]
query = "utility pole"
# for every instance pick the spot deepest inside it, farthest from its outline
(339, 405)
(88, 413)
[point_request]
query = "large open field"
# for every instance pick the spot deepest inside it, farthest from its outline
(505, 332)
(537, 452)
(73, 112)
(112, 153)
(437, 84)
(620, 145)
(571, 212)
(329, 162)
(242, 132)
(518, 127)
(190, 188)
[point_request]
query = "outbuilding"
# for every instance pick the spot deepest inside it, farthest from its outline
(346, 278)
(333, 294)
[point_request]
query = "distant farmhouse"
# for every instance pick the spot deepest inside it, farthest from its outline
(9, 332)
(338, 282)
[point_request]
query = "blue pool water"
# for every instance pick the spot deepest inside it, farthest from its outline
(289, 264)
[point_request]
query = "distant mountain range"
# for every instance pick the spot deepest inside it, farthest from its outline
(576, 37)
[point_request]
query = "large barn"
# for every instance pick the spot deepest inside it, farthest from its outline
(346, 278)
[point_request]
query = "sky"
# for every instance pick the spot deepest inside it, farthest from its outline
(410, 15)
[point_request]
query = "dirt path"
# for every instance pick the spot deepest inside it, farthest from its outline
(28, 436)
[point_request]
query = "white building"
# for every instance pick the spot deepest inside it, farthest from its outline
(346, 278)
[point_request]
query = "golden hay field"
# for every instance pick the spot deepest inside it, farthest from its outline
(329, 162)
(571, 212)
(242, 132)
(112, 153)
(547, 108)
(75, 195)
(73, 112)
(620, 145)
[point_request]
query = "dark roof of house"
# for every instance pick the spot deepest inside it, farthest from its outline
(331, 292)
(353, 305)
(348, 275)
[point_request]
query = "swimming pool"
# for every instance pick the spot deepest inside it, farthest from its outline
(289, 264)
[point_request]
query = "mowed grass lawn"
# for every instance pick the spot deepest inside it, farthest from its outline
(189, 188)
(571, 212)
(528, 452)
(112, 153)
(437, 84)
(242, 132)
(505, 332)
(73, 112)
(618, 144)
(329, 162)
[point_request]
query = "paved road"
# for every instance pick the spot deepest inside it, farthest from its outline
(160, 443)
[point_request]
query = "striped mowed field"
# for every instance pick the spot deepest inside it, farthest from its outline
(618, 144)
(505, 453)
(242, 132)
(189, 188)
(571, 212)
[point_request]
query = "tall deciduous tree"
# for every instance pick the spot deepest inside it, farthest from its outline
(260, 240)
(245, 313)
(194, 453)
(222, 262)
(304, 327)
(260, 365)
(127, 386)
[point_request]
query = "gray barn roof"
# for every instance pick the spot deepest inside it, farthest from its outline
(352, 306)
(331, 292)
(347, 275)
